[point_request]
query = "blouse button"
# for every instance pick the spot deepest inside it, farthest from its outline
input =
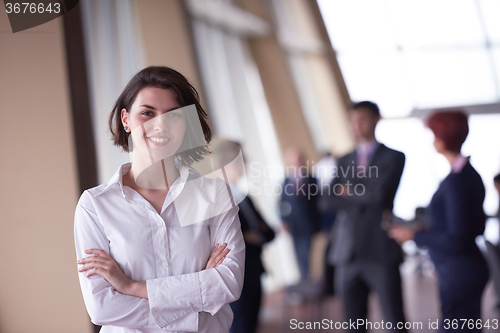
(165, 264)
(160, 223)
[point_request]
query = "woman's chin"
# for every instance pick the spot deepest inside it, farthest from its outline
(161, 154)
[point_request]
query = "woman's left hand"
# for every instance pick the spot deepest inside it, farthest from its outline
(401, 234)
(106, 266)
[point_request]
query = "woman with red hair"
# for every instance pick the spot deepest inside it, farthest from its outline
(456, 218)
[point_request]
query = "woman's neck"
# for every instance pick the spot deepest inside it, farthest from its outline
(451, 156)
(159, 175)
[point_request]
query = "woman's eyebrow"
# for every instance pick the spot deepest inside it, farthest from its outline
(153, 108)
(147, 106)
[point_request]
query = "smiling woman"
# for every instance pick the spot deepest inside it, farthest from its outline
(161, 246)
(177, 92)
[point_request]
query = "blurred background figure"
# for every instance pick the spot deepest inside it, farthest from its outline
(298, 207)
(324, 171)
(366, 259)
(456, 218)
(256, 233)
(496, 180)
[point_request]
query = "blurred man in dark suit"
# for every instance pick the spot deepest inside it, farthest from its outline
(365, 258)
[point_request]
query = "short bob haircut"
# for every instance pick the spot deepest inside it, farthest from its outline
(451, 127)
(164, 78)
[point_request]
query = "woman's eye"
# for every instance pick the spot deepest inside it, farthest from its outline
(147, 113)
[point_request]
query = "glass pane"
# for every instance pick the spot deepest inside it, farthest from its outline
(491, 16)
(357, 24)
(483, 148)
(379, 77)
(496, 62)
(424, 167)
(448, 78)
(429, 22)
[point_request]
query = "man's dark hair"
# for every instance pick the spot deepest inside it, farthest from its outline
(497, 178)
(367, 105)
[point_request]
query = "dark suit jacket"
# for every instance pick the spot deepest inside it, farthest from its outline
(456, 218)
(358, 234)
(299, 208)
(250, 219)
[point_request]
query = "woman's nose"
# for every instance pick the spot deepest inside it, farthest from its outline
(160, 123)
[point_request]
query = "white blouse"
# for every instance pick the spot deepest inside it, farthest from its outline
(169, 251)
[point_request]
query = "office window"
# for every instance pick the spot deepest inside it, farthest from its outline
(417, 54)
(413, 56)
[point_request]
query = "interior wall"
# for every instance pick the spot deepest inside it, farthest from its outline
(329, 84)
(39, 289)
(165, 34)
(281, 96)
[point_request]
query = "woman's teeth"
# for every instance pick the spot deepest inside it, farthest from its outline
(159, 139)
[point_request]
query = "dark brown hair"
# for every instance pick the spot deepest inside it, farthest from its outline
(370, 106)
(451, 127)
(165, 78)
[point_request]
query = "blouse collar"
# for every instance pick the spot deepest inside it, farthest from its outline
(184, 170)
(459, 163)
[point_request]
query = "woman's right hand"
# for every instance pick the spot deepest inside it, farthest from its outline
(217, 257)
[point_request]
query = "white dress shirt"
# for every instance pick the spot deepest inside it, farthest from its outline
(168, 255)
(365, 152)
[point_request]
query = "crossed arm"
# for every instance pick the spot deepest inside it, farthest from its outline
(171, 302)
(376, 191)
(101, 263)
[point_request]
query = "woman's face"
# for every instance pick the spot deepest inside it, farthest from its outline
(157, 128)
(439, 145)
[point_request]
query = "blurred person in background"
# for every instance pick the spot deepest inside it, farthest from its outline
(365, 258)
(298, 207)
(256, 232)
(456, 218)
(324, 172)
(496, 180)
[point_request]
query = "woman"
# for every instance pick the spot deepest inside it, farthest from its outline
(456, 218)
(161, 246)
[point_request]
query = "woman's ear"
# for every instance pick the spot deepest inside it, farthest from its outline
(124, 117)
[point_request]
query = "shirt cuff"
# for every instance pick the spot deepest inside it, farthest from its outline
(175, 299)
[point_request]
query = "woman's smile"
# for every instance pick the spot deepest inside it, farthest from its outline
(158, 140)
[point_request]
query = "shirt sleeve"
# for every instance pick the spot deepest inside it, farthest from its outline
(211, 289)
(459, 233)
(104, 304)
